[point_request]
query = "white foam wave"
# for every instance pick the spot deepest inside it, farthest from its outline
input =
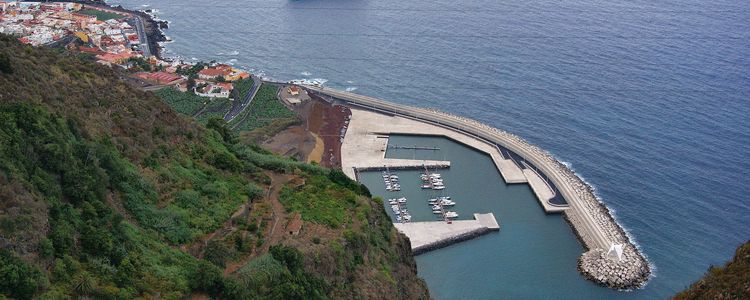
(613, 213)
(145, 5)
(351, 89)
(349, 81)
(313, 81)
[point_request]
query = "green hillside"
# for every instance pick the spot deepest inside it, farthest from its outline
(731, 281)
(107, 193)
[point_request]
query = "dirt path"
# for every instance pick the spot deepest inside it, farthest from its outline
(198, 247)
(276, 231)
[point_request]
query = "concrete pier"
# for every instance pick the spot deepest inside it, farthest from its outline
(366, 142)
(590, 219)
(426, 236)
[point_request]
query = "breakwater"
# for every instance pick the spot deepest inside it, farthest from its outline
(611, 259)
(428, 236)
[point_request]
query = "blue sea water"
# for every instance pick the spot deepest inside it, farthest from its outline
(647, 100)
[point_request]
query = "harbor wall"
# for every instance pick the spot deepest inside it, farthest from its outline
(451, 240)
(589, 218)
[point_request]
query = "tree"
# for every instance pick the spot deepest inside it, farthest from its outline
(221, 127)
(5, 66)
(207, 278)
(17, 278)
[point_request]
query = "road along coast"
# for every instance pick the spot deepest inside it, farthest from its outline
(611, 258)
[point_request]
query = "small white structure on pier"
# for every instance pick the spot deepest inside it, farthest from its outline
(615, 252)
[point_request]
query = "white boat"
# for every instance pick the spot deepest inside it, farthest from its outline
(451, 214)
(402, 200)
(437, 212)
(439, 187)
(444, 197)
(436, 207)
(393, 202)
(398, 218)
(426, 186)
(407, 218)
(447, 203)
(394, 207)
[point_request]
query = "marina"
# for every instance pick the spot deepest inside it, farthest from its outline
(590, 220)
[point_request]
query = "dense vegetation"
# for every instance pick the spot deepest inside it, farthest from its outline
(216, 108)
(187, 103)
(264, 109)
(319, 200)
(729, 282)
(107, 193)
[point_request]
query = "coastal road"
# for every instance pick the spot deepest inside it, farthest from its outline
(140, 27)
(239, 106)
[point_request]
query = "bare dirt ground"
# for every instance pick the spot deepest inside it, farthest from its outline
(293, 141)
(321, 121)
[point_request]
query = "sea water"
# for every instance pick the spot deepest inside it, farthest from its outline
(647, 100)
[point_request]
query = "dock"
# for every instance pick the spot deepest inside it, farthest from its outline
(427, 236)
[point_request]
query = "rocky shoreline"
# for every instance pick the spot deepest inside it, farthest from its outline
(152, 27)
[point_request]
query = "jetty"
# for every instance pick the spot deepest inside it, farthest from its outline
(426, 236)
(611, 258)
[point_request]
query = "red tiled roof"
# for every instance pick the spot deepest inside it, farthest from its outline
(225, 85)
(213, 72)
(159, 77)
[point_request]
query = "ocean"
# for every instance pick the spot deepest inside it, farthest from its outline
(646, 100)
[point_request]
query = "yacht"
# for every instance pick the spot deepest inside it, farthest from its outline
(447, 203)
(407, 218)
(438, 187)
(451, 214)
(402, 200)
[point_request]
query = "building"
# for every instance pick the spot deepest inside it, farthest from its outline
(160, 77)
(293, 90)
(212, 73)
(294, 226)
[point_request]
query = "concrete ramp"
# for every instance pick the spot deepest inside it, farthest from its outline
(543, 192)
(510, 171)
(426, 236)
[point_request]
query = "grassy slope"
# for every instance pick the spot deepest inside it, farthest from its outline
(729, 282)
(187, 103)
(117, 183)
(263, 110)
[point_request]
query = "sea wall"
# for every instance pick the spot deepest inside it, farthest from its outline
(450, 241)
(590, 219)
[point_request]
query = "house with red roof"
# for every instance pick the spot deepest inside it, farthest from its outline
(213, 73)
